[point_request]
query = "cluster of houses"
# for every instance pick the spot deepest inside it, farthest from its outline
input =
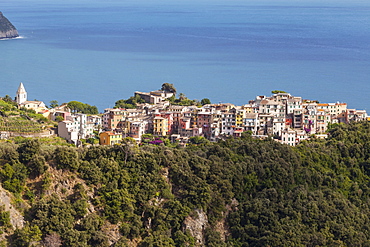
(72, 127)
(286, 118)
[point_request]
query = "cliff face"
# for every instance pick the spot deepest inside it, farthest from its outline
(7, 30)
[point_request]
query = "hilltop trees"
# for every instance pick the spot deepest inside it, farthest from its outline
(54, 103)
(182, 100)
(277, 91)
(9, 99)
(168, 87)
(129, 103)
(205, 101)
(132, 102)
(78, 107)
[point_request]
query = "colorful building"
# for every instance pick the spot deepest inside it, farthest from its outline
(160, 126)
(110, 138)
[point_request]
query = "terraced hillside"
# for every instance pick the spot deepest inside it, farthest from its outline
(19, 125)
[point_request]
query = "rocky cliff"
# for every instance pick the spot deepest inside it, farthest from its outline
(7, 30)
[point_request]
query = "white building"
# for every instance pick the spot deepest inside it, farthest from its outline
(288, 136)
(21, 94)
(67, 130)
(251, 122)
(138, 128)
(77, 127)
(228, 122)
(96, 122)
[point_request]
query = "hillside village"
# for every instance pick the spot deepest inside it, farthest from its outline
(288, 119)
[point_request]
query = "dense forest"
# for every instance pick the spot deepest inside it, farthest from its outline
(236, 192)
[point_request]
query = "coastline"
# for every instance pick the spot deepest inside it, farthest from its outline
(18, 37)
(7, 29)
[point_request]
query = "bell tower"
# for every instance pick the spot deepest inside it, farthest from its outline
(21, 95)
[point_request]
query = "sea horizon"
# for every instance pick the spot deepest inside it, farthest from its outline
(98, 53)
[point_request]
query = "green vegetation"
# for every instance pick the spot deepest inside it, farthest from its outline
(132, 102)
(7, 105)
(168, 87)
(266, 193)
(55, 141)
(54, 103)
(19, 125)
(205, 101)
(21, 120)
(5, 224)
(182, 100)
(129, 103)
(277, 91)
(78, 107)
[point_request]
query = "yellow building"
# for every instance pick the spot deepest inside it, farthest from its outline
(240, 115)
(110, 138)
(249, 109)
(160, 126)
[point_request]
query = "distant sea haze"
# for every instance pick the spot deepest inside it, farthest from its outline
(98, 52)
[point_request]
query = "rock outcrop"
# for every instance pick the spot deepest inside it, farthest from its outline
(196, 224)
(16, 218)
(7, 30)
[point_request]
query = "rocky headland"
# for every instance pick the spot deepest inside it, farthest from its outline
(7, 30)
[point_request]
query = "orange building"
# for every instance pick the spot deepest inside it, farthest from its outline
(109, 138)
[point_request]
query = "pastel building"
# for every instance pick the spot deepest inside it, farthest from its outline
(137, 128)
(75, 128)
(160, 126)
(68, 131)
(110, 138)
(288, 136)
(37, 106)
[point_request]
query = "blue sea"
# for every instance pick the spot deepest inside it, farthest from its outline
(98, 52)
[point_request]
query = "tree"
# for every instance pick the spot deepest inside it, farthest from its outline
(66, 158)
(54, 103)
(171, 99)
(4, 219)
(37, 166)
(27, 235)
(90, 109)
(28, 150)
(205, 101)
(77, 106)
(182, 97)
(8, 99)
(129, 103)
(277, 91)
(198, 140)
(168, 87)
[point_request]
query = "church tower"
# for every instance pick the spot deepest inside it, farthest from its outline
(21, 95)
